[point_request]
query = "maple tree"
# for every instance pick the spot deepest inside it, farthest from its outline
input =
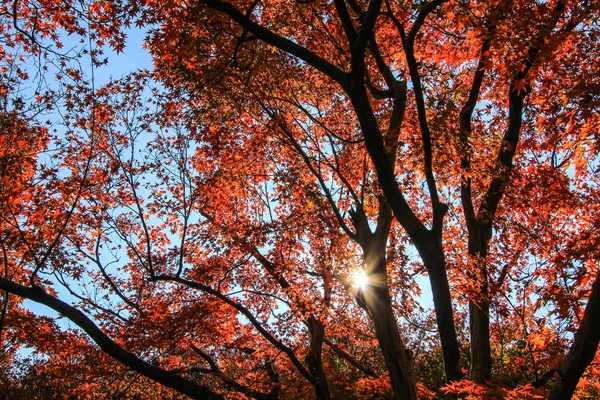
(257, 214)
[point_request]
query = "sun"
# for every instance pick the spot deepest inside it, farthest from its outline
(360, 279)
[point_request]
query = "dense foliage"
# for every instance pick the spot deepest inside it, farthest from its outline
(332, 199)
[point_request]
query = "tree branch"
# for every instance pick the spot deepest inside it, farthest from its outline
(439, 210)
(245, 312)
(357, 51)
(466, 113)
(353, 361)
(107, 345)
(346, 20)
(278, 41)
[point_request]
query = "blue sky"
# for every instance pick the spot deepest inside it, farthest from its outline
(133, 57)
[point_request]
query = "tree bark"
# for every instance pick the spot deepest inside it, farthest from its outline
(397, 359)
(582, 351)
(479, 322)
(433, 258)
(376, 300)
(479, 304)
(313, 358)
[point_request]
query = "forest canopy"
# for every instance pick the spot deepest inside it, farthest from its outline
(328, 199)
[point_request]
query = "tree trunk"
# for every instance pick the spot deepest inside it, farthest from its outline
(582, 351)
(313, 358)
(433, 258)
(397, 359)
(479, 304)
(428, 243)
(479, 322)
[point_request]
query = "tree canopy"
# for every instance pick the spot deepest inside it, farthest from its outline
(330, 199)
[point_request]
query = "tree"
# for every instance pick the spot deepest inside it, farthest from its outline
(205, 223)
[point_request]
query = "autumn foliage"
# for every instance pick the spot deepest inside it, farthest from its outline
(342, 199)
